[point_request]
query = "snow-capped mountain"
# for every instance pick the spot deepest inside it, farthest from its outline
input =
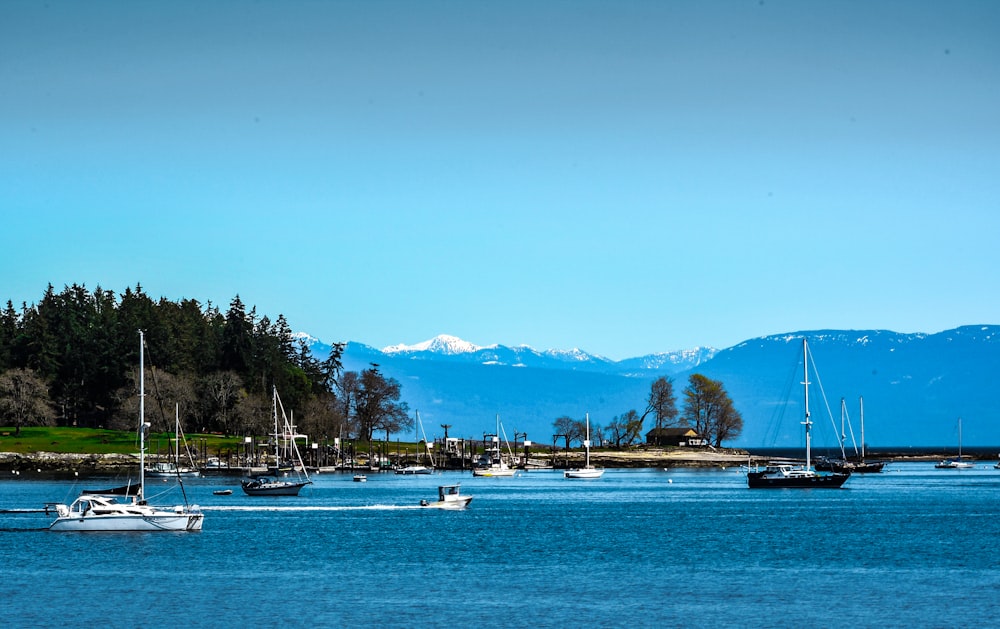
(914, 385)
(452, 348)
(440, 344)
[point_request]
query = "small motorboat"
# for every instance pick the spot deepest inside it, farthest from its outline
(360, 478)
(223, 492)
(449, 497)
(410, 470)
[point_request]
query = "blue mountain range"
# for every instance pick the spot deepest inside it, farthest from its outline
(914, 386)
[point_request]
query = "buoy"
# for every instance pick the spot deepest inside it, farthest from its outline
(671, 481)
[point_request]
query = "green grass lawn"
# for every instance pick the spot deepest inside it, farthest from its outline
(97, 440)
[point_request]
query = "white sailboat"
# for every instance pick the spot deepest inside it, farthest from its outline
(956, 464)
(268, 486)
(588, 470)
(125, 509)
(417, 468)
(497, 466)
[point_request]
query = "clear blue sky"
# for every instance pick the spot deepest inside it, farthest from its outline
(622, 177)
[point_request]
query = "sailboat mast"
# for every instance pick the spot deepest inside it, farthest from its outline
(140, 495)
(274, 406)
(586, 443)
(177, 436)
(959, 438)
(861, 402)
(843, 433)
(805, 383)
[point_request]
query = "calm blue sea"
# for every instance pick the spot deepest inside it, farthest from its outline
(912, 547)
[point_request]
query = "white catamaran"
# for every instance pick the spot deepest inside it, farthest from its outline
(125, 508)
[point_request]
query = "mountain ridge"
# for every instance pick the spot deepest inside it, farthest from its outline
(914, 385)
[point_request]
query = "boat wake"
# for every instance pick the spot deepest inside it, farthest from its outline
(342, 508)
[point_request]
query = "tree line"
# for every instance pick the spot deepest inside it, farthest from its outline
(72, 360)
(707, 409)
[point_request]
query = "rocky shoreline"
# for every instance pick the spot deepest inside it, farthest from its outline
(77, 465)
(59, 463)
(64, 464)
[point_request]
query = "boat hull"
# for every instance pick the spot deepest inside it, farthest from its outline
(849, 467)
(413, 469)
(461, 503)
(158, 521)
(954, 465)
(762, 480)
(494, 472)
(584, 473)
(280, 488)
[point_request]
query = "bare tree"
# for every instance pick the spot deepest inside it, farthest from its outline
(252, 414)
(24, 399)
(661, 403)
(727, 424)
(571, 429)
(709, 411)
(616, 431)
(347, 385)
(377, 405)
(168, 395)
(632, 422)
(222, 391)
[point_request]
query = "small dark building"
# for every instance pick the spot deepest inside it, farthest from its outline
(674, 437)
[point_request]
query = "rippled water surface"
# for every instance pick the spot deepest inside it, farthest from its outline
(913, 546)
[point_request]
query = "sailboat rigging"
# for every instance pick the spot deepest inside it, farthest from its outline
(125, 508)
(856, 464)
(174, 467)
(497, 465)
(417, 468)
(784, 475)
(268, 486)
(958, 463)
(588, 470)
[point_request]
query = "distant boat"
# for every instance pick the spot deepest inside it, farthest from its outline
(784, 475)
(125, 508)
(169, 468)
(416, 468)
(268, 486)
(223, 492)
(413, 469)
(496, 465)
(360, 478)
(449, 497)
(958, 463)
(588, 470)
(850, 465)
(174, 468)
